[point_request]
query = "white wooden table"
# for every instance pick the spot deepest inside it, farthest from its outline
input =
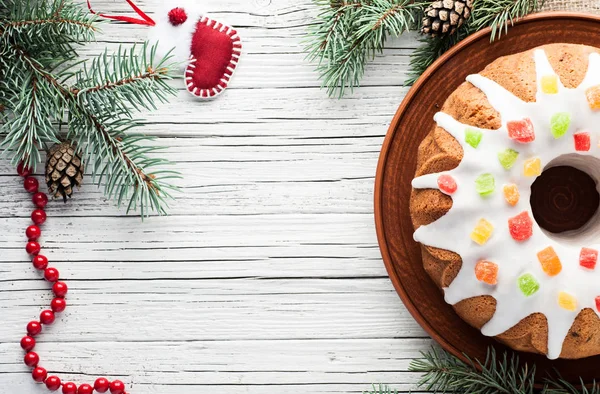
(267, 277)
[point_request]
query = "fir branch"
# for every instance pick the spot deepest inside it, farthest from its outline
(348, 36)
(380, 389)
(497, 14)
(445, 373)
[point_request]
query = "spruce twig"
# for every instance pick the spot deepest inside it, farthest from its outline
(497, 14)
(39, 89)
(350, 33)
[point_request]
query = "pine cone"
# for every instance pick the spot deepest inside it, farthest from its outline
(64, 170)
(443, 17)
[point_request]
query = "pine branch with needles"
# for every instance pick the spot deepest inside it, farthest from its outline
(43, 85)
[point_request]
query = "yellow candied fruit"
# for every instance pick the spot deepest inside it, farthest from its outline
(532, 167)
(593, 97)
(511, 194)
(482, 232)
(550, 84)
(567, 301)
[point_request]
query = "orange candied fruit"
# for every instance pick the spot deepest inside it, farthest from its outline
(593, 97)
(511, 194)
(487, 272)
(550, 262)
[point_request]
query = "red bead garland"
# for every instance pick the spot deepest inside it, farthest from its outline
(58, 304)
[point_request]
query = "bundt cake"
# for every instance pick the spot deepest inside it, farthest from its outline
(505, 200)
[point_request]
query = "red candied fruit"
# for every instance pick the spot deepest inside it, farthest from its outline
(588, 258)
(521, 227)
(447, 184)
(521, 130)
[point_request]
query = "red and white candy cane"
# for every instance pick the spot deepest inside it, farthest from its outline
(58, 304)
(210, 50)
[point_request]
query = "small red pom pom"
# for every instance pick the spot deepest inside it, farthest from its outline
(117, 387)
(47, 317)
(53, 383)
(177, 16)
(34, 328)
(40, 262)
(31, 184)
(33, 248)
(40, 200)
(69, 388)
(101, 385)
(85, 389)
(60, 289)
(58, 305)
(51, 274)
(28, 343)
(33, 233)
(22, 170)
(38, 216)
(39, 374)
(31, 359)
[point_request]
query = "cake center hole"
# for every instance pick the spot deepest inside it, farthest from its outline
(564, 199)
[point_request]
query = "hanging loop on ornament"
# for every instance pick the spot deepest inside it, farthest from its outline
(145, 19)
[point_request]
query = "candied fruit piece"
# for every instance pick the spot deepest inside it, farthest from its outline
(487, 272)
(528, 284)
(549, 84)
(521, 226)
(511, 194)
(559, 124)
(473, 137)
(593, 97)
(532, 167)
(567, 301)
(447, 184)
(583, 142)
(521, 130)
(550, 262)
(485, 184)
(588, 258)
(598, 303)
(482, 232)
(508, 158)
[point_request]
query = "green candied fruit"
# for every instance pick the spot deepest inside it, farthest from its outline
(528, 285)
(485, 184)
(508, 158)
(559, 124)
(473, 137)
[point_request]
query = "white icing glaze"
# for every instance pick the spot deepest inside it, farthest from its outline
(452, 231)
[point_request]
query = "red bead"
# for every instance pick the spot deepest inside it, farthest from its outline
(53, 383)
(27, 343)
(85, 389)
(58, 305)
(40, 200)
(51, 274)
(22, 170)
(34, 328)
(101, 385)
(69, 388)
(31, 359)
(33, 248)
(47, 317)
(60, 289)
(31, 184)
(38, 217)
(39, 374)
(117, 387)
(33, 233)
(40, 262)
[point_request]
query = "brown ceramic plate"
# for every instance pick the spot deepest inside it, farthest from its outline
(397, 164)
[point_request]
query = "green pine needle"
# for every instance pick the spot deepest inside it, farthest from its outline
(350, 33)
(497, 14)
(43, 85)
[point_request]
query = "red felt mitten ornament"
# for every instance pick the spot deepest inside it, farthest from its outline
(209, 50)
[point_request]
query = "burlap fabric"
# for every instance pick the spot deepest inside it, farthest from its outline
(591, 6)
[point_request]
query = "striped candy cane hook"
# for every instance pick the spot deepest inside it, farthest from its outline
(143, 20)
